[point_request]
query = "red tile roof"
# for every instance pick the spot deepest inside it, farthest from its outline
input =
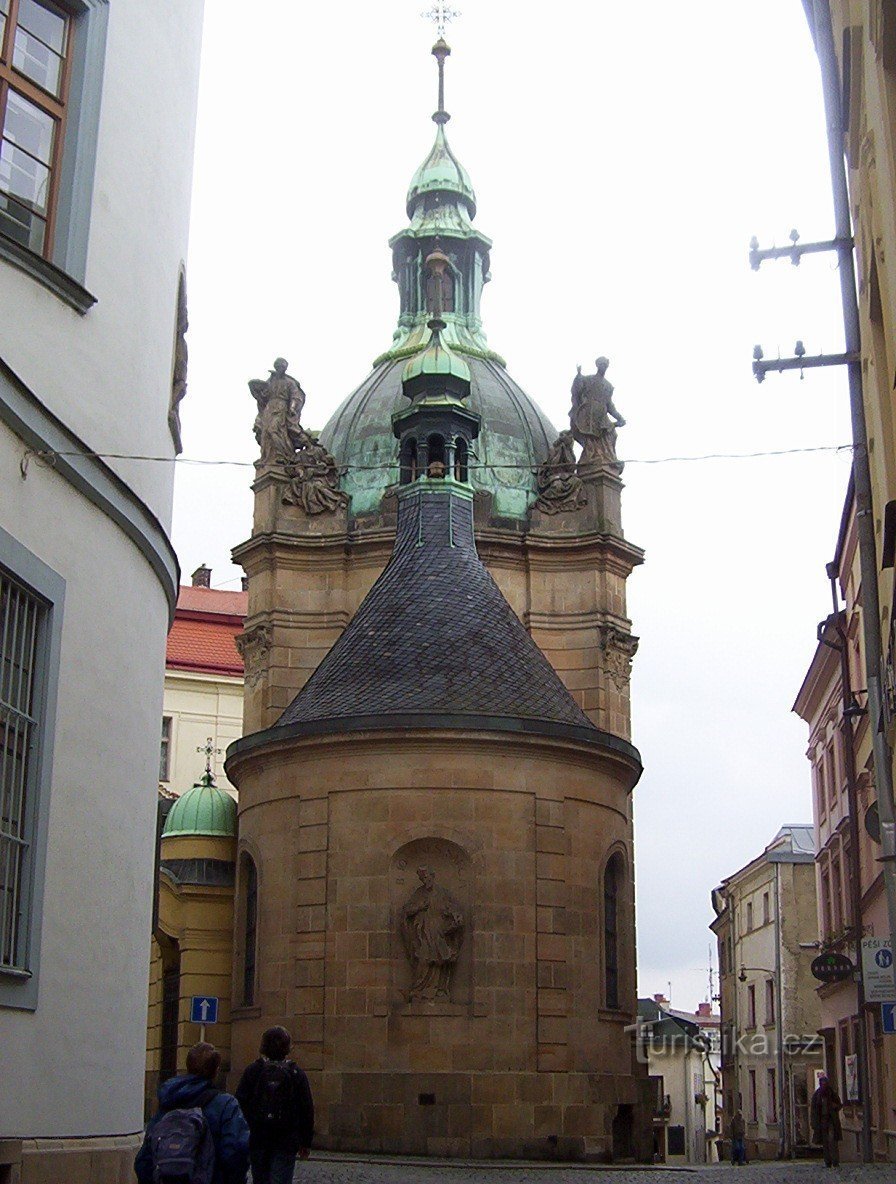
(206, 622)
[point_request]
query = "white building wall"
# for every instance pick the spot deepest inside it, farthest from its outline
(200, 706)
(74, 1066)
(107, 374)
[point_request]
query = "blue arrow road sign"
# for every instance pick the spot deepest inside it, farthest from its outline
(888, 1018)
(204, 1009)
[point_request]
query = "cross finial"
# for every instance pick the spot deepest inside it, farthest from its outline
(440, 14)
(209, 749)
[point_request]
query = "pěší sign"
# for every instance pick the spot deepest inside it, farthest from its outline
(877, 970)
(832, 968)
(204, 1009)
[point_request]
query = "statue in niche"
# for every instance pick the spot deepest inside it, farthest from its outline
(559, 488)
(314, 480)
(432, 928)
(179, 371)
(439, 284)
(594, 420)
(277, 428)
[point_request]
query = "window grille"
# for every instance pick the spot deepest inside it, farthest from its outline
(20, 616)
(165, 751)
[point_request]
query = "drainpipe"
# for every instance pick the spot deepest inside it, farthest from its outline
(784, 1147)
(883, 768)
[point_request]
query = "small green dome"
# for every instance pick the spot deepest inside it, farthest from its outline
(437, 360)
(441, 172)
(202, 810)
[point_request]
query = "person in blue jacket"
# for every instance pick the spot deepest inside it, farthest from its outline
(229, 1129)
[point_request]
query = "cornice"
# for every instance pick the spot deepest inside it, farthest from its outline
(42, 432)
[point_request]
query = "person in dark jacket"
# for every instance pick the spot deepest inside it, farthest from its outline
(276, 1098)
(826, 1128)
(229, 1130)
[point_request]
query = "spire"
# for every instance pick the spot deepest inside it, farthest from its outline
(441, 206)
(440, 51)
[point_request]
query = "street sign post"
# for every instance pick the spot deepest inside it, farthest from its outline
(888, 1018)
(203, 1010)
(877, 970)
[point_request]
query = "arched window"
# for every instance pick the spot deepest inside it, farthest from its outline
(460, 460)
(408, 461)
(612, 890)
(250, 929)
(436, 455)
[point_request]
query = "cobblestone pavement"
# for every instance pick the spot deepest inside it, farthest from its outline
(345, 1169)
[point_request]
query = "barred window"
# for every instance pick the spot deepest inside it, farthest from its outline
(20, 619)
(612, 876)
(34, 54)
(250, 930)
(165, 751)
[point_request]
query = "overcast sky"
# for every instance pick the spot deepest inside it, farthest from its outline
(622, 155)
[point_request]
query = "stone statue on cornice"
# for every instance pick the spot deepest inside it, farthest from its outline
(594, 420)
(279, 433)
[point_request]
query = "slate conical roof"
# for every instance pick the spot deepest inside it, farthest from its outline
(435, 637)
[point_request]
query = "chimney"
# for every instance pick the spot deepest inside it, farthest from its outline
(704, 1009)
(661, 1000)
(244, 583)
(202, 577)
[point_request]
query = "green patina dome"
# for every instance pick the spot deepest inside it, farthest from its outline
(513, 441)
(441, 172)
(202, 810)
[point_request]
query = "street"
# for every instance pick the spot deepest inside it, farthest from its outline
(344, 1169)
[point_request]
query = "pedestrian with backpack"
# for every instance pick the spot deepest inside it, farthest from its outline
(198, 1135)
(276, 1099)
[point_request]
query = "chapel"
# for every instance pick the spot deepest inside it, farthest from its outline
(433, 851)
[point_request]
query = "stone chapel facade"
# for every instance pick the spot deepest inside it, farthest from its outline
(434, 865)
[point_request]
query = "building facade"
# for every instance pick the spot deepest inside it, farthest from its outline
(93, 236)
(683, 1051)
(767, 937)
(848, 853)
(203, 698)
(434, 866)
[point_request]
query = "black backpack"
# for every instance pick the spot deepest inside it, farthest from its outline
(182, 1146)
(274, 1099)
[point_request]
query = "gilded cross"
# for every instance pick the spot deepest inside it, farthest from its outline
(209, 749)
(440, 14)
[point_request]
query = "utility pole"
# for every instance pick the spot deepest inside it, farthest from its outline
(842, 244)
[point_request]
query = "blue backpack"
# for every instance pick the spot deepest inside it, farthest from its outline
(183, 1151)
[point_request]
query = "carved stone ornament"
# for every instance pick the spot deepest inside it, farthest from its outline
(254, 645)
(593, 421)
(616, 651)
(314, 480)
(432, 930)
(559, 488)
(179, 370)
